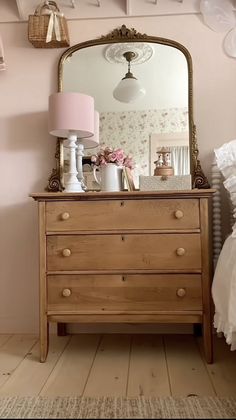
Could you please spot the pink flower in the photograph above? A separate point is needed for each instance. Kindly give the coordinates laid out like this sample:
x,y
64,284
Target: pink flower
x,y
112,157
94,159
129,162
116,156
102,160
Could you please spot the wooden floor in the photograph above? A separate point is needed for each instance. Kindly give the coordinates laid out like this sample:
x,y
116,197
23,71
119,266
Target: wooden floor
x,y
115,365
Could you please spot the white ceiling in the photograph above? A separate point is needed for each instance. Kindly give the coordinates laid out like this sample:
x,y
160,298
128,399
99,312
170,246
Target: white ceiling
x,y
164,76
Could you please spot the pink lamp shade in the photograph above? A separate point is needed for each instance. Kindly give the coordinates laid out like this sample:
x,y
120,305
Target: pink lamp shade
x,y
71,112
91,142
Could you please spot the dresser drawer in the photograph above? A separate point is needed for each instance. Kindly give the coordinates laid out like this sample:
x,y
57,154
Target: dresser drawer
x,y
124,252
149,292
122,214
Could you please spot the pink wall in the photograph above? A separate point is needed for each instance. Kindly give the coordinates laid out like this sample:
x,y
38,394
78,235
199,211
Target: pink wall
x,y
27,150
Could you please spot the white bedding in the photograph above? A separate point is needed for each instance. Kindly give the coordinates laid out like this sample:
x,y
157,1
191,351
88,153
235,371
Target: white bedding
x,y
224,292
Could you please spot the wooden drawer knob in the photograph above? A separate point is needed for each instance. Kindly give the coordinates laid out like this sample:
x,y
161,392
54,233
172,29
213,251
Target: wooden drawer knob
x,y
180,251
66,252
65,216
66,292
179,214
181,292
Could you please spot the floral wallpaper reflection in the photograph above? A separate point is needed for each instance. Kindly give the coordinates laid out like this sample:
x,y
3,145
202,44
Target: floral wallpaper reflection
x,y
131,131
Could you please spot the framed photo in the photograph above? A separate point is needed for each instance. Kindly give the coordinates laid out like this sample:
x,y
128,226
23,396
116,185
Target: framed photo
x,y
128,178
89,180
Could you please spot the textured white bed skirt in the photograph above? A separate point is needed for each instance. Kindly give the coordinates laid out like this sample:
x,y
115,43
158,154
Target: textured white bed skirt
x,y
224,292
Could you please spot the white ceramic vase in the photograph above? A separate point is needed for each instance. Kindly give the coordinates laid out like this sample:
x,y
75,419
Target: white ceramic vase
x,y
109,177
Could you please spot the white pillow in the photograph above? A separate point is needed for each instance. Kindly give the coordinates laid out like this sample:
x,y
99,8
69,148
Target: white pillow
x,y
230,184
226,158
226,162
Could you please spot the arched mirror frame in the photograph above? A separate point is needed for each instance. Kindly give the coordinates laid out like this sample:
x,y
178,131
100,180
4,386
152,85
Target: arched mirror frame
x,y
124,34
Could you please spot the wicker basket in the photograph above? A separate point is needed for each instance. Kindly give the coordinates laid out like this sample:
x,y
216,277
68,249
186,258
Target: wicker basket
x,y
47,28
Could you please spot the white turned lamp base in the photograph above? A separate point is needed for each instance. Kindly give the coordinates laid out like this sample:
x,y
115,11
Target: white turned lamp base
x,y
79,157
72,184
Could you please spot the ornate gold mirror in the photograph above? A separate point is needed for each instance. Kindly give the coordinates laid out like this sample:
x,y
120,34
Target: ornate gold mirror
x,y
162,117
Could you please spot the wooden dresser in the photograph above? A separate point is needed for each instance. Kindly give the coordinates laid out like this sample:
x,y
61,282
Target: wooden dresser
x,y
125,257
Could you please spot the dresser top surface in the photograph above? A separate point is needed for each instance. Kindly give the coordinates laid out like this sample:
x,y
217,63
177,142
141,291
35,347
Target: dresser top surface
x,y
98,195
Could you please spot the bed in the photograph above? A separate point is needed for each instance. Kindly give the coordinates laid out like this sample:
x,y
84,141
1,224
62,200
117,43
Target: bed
x,y
224,280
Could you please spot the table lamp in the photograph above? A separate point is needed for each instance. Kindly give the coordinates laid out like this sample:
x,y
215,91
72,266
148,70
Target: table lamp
x,y
87,143
71,116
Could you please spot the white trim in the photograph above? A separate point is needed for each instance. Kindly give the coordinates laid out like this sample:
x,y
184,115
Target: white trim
x,y
20,9
112,9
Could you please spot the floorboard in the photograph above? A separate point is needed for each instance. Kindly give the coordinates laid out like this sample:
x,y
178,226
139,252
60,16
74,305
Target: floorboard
x,y
187,371
109,373
72,370
116,365
148,375
223,371
30,375
12,351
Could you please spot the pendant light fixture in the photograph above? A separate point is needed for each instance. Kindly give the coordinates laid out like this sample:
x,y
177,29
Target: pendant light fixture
x,y
129,88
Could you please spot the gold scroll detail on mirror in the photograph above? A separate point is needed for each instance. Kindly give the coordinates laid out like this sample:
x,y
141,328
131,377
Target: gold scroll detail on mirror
x,y
54,181
199,179
124,34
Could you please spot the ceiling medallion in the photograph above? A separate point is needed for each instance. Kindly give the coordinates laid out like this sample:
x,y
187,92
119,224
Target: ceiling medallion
x,y
114,53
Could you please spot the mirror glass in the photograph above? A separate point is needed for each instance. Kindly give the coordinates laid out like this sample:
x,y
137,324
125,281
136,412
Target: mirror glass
x,y
156,126
160,118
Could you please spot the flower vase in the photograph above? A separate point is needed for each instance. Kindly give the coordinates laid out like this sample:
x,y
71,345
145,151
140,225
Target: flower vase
x,y
109,177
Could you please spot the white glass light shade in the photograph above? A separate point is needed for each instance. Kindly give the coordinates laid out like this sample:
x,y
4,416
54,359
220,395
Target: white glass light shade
x,y
218,14
230,43
71,112
128,90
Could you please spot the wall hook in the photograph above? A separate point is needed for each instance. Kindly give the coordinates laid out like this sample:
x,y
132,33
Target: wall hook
x,y
73,3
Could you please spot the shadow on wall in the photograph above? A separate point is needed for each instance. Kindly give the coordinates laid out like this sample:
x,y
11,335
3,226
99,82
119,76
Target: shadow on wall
x,y
21,127
27,158
29,149
19,268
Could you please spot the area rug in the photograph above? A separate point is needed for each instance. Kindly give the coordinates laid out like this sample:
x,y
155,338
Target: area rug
x,y
117,408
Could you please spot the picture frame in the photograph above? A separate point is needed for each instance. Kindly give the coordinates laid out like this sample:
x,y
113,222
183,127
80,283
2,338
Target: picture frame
x,y
128,178
89,179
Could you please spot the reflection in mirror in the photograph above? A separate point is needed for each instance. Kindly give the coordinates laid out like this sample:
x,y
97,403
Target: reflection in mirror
x,y
157,104
162,71
177,146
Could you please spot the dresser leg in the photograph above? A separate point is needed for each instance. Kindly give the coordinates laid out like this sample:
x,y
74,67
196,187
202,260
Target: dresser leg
x,y
44,340
207,339
197,330
61,329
